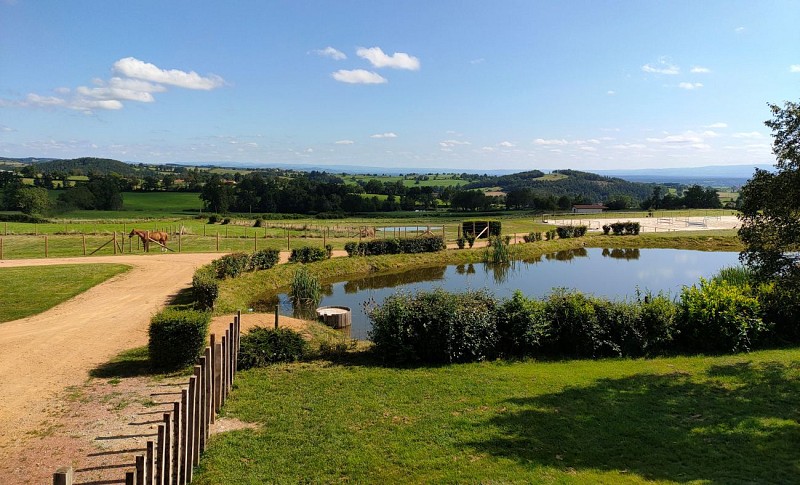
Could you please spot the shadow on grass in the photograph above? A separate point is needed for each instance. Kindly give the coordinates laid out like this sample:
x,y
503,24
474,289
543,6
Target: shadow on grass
x,y
183,298
738,424
130,363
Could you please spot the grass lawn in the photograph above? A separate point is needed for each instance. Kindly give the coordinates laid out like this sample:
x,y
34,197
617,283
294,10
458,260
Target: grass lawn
x,y
731,419
33,289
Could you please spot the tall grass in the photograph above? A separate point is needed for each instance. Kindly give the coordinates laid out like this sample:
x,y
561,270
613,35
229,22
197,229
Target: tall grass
x,y
305,288
738,276
499,251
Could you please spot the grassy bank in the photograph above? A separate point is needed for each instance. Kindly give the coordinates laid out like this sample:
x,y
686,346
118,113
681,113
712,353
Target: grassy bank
x,y
34,289
721,420
241,292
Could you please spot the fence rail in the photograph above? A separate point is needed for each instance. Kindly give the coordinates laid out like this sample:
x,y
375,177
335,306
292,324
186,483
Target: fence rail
x,y
183,433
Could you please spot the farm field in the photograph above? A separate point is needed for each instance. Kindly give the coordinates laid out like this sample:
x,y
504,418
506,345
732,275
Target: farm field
x,y
666,420
22,287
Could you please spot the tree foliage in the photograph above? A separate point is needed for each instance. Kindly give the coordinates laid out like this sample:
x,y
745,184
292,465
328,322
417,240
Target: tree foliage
x,y
770,211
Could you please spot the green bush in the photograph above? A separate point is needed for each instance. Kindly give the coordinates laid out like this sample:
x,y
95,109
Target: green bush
x,y
434,327
307,254
470,237
718,317
263,259
263,346
657,322
550,235
177,337
532,237
213,218
231,265
377,247
565,232
624,228
461,242
258,223
606,229
522,324
574,327
205,287
352,248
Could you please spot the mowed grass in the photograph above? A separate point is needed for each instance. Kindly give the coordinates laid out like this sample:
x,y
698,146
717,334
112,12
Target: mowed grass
x,y
731,419
33,289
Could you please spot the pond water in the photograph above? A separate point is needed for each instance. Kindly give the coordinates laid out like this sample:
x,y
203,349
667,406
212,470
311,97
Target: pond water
x,y
610,273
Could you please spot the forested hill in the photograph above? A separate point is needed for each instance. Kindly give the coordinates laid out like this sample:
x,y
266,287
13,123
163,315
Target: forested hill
x,y
590,186
83,166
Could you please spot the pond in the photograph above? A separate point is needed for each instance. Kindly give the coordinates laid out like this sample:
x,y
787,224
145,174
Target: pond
x,y
610,273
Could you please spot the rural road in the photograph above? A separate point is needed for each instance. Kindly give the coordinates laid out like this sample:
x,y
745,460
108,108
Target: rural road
x,y
43,354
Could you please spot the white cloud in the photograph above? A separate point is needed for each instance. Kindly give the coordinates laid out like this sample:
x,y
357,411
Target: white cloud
x,y
452,143
36,100
794,68
717,125
398,60
690,86
358,76
588,149
663,66
700,70
344,142
540,141
134,68
6,129
629,146
122,89
506,144
611,93
330,52
384,135
749,135
488,149
739,30
688,138
477,61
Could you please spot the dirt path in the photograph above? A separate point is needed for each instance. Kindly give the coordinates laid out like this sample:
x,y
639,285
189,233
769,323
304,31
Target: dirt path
x,y
42,355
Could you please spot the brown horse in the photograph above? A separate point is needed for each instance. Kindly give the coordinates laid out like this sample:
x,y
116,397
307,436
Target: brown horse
x,y
159,237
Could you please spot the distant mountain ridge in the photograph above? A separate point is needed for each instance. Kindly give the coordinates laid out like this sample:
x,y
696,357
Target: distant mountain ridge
x,y
710,175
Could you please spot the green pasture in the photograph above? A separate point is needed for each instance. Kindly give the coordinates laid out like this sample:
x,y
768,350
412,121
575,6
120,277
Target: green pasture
x,y
731,419
438,180
33,289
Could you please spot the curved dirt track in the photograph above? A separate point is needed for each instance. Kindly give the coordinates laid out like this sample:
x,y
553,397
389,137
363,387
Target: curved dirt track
x,y
43,354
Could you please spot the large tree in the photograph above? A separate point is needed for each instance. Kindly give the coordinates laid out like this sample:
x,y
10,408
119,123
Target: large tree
x,y
770,211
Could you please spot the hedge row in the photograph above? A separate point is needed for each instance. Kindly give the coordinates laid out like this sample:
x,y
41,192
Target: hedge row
x,y
375,247
442,327
622,228
565,232
205,281
177,337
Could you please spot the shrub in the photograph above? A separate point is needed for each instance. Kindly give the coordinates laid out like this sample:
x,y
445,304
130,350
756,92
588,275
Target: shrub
x,y
461,242
532,237
574,327
579,231
434,327
263,346
205,287
498,251
522,324
718,317
351,248
624,228
227,220
606,229
258,223
177,337
213,219
264,259
424,244
565,232
231,265
307,254
470,237
550,235
657,320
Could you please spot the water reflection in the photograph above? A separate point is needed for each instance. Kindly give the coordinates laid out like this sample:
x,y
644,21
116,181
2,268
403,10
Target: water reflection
x,y
612,273
617,253
395,279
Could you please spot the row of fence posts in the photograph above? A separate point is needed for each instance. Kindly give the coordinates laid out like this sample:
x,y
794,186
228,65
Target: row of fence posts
x,y
184,432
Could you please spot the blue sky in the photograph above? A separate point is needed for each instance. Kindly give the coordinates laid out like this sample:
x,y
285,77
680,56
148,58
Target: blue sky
x,y
442,85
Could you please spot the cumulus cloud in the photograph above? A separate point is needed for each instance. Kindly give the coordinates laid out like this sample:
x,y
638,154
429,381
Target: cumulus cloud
x,y
690,86
688,138
611,93
398,60
794,68
718,125
344,142
663,66
136,81
749,135
134,68
452,143
552,142
358,76
506,144
700,70
384,135
330,52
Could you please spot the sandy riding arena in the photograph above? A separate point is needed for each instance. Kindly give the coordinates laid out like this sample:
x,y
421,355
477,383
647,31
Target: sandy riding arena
x,y
45,359
657,224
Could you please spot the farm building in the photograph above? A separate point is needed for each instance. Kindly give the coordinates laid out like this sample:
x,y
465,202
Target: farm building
x,y
588,208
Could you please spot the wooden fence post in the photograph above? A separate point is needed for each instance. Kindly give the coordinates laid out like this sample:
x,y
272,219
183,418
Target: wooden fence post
x,y
217,241
196,426
45,246
63,476
223,370
166,474
177,438
130,478
149,464
179,242
160,452
185,444
217,376
203,407
139,469
188,462
1,248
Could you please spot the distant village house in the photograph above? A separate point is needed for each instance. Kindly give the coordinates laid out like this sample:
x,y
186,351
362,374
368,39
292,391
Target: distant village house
x,y
588,208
